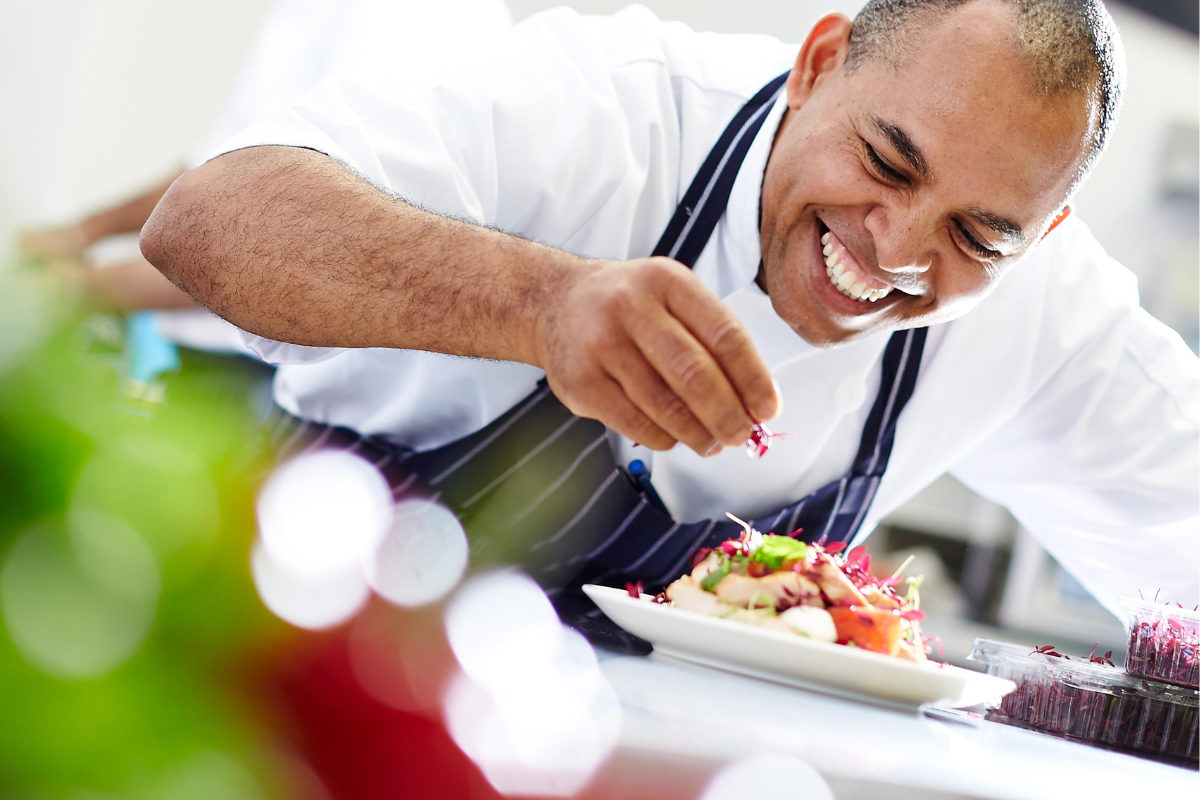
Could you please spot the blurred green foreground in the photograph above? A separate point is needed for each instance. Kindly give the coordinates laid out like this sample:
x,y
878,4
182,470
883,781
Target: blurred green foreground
x,y
127,614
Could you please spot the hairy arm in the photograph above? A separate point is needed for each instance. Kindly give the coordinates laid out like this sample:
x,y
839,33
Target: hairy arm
x,y
288,244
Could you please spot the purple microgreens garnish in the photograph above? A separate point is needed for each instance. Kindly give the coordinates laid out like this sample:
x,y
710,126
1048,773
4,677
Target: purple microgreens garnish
x,y
1104,659
635,590
925,640
858,557
1048,650
760,440
1164,646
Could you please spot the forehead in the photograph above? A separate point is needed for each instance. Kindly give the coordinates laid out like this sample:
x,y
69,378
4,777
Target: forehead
x,y
969,100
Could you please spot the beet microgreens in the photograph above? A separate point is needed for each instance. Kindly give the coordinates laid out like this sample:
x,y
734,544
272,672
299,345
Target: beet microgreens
x,y
1049,650
1104,659
760,440
1164,644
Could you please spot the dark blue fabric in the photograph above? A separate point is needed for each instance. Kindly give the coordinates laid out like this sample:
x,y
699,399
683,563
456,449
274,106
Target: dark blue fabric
x,y
704,202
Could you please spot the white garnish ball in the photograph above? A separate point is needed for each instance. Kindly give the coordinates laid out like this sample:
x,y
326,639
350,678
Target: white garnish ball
x,y
815,623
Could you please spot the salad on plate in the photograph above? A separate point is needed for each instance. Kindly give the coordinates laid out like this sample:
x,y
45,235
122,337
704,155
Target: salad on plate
x,y
812,590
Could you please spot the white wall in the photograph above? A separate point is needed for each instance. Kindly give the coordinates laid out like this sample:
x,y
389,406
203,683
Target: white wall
x,y
102,97
1121,200
788,20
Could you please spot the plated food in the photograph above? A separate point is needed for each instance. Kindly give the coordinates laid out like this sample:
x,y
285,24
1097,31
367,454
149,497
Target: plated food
x,y
809,590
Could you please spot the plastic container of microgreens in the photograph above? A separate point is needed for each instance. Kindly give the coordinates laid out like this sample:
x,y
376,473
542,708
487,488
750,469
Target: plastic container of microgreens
x,y
1092,702
1164,642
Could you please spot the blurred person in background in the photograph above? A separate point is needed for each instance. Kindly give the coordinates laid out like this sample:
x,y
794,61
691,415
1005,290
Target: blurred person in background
x,y
869,201
299,43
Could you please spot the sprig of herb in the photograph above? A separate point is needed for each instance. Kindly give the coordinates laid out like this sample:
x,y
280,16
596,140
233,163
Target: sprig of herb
x,y
774,550
710,581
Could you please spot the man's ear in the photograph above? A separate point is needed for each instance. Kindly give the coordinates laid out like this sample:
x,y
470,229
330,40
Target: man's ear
x,y
823,51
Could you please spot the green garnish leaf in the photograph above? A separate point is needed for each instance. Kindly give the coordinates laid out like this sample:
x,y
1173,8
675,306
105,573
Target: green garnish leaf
x,y
710,581
774,550
768,602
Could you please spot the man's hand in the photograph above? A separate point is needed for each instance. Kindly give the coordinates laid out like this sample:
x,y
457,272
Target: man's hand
x,y
646,348
68,241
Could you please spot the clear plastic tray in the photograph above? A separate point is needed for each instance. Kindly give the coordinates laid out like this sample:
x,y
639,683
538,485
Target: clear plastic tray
x,y
1164,642
1092,703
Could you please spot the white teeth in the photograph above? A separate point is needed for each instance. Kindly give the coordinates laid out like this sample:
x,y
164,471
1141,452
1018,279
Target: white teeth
x,y
846,282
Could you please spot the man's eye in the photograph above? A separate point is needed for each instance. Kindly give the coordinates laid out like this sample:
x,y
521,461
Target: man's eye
x,y
882,167
975,245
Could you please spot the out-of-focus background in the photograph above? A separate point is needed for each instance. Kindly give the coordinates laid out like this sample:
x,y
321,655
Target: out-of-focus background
x,y
133,642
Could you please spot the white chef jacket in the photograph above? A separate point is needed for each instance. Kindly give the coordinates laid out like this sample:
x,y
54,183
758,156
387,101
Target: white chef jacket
x,y
1057,396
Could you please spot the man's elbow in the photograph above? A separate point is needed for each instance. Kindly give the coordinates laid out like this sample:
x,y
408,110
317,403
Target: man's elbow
x,y
167,232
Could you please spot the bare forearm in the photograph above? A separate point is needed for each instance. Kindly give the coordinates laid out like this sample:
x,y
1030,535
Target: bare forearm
x,y
287,244
134,286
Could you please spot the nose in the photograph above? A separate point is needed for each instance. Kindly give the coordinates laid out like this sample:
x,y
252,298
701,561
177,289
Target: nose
x,y
901,241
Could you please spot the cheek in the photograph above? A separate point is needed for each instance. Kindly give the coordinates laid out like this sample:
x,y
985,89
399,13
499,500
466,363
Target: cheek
x,y
962,286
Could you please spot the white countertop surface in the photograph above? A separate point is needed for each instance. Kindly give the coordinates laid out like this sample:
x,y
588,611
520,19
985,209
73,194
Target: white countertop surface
x,y
675,708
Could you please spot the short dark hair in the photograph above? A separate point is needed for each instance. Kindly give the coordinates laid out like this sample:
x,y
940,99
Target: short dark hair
x,y
1073,46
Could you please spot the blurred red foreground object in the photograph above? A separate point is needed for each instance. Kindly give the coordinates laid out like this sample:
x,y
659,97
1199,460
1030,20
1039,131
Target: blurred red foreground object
x,y
364,749
360,748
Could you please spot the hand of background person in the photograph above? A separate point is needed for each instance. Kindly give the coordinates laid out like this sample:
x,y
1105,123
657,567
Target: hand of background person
x,y
645,347
65,241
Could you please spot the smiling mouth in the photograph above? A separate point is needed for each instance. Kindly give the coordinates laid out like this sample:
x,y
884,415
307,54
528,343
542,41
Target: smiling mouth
x,y
846,274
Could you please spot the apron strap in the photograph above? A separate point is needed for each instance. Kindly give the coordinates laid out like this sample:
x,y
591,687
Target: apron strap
x,y
704,202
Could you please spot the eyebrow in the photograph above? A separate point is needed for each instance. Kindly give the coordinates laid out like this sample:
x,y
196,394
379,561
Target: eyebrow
x,y
912,155
1003,226
904,145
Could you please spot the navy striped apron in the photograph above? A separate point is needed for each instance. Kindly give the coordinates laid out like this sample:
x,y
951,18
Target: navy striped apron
x,y
540,488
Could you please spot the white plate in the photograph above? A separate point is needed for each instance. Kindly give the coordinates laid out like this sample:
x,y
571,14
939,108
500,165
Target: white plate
x,y
796,660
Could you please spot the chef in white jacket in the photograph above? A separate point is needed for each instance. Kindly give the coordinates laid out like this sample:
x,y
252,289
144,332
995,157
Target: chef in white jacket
x,y
900,159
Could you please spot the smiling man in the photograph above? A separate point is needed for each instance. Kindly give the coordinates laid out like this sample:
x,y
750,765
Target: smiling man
x,y
931,160
865,228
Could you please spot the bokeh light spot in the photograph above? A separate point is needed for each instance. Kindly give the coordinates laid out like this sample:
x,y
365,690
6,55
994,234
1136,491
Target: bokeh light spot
x,y
78,595
422,557
321,512
161,489
531,708
308,601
